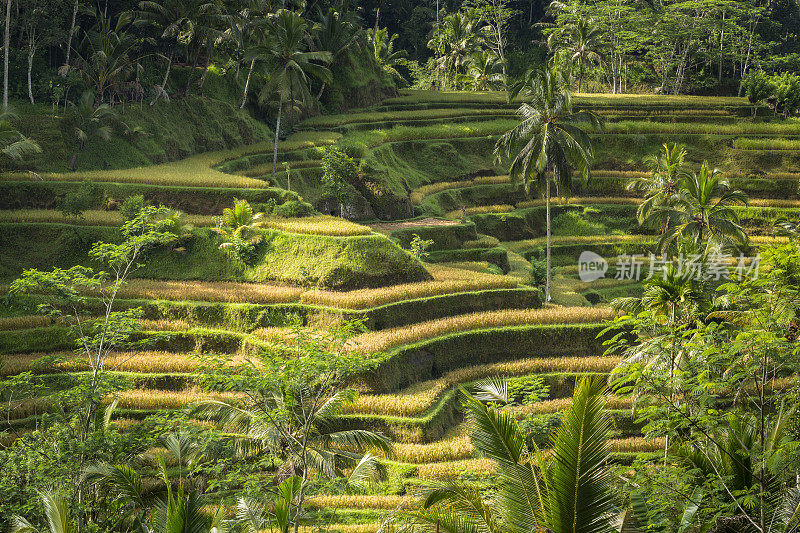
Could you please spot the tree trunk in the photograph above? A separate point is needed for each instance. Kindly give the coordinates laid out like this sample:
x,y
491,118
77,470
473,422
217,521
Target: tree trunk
x,y
247,83
747,59
547,296
6,45
580,76
721,48
319,94
166,74
31,53
71,32
377,19
277,133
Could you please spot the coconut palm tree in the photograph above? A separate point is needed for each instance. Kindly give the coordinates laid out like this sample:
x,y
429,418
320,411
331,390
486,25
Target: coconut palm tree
x,y
86,121
485,71
290,65
13,144
566,491
107,54
703,211
385,54
335,32
550,141
453,41
661,187
238,225
165,17
583,39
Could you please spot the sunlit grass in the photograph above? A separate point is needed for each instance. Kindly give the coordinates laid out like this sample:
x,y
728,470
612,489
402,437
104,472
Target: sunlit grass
x,y
195,171
421,396
446,281
419,194
379,341
475,210
134,361
318,225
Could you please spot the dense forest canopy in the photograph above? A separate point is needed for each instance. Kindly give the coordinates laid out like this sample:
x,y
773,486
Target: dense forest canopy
x,y
698,46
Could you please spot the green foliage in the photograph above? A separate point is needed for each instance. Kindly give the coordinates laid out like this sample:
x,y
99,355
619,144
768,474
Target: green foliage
x,y
87,121
77,201
339,172
787,93
132,206
419,247
294,209
757,86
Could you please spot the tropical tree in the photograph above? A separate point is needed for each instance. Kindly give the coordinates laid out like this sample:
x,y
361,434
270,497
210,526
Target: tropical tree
x,y
166,18
13,144
290,65
385,54
703,211
453,41
292,398
549,142
757,86
335,32
485,71
583,40
106,55
564,491
238,227
661,187
56,511
86,121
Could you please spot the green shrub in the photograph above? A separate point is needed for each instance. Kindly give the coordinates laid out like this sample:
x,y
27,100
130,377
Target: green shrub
x,y
538,272
131,207
419,247
78,200
527,389
293,209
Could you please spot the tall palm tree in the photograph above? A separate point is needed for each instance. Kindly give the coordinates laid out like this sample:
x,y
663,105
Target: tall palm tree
x,y
290,64
107,53
165,17
335,32
661,187
567,491
583,40
704,211
387,57
453,41
550,141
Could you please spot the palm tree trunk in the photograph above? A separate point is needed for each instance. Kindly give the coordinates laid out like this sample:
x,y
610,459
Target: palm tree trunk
x,y
547,296
580,76
277,132
31,53
247,83
71,31
6,45
319,94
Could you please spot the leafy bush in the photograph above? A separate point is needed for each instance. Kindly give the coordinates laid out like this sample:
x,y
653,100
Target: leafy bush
x,y
538,272
419,247
77,201
527,390
131,207
294,209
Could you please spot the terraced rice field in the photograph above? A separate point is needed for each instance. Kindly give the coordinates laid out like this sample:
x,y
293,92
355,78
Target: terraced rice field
x,y
473,295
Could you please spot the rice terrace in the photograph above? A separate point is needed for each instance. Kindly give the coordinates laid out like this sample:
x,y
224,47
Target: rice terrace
x,y
367,266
